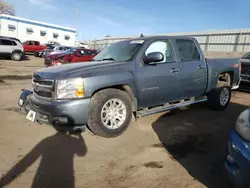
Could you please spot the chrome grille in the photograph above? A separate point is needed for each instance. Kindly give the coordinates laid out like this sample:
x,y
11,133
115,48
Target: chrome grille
x,y
43,87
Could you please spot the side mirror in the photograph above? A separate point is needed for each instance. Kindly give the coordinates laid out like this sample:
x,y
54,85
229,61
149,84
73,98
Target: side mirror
x,y
153,57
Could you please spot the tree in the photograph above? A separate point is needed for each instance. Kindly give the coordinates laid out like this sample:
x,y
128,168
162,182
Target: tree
x,y
6,8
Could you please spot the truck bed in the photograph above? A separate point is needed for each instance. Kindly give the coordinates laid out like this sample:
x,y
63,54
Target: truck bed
x,y
223,65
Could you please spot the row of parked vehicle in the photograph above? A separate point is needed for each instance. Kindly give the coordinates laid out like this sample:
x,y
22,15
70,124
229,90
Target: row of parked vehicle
x,y
58,55
53,52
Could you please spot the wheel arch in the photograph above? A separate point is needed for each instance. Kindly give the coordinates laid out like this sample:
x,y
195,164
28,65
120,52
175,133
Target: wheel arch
x,y
123,87
17,50
226,77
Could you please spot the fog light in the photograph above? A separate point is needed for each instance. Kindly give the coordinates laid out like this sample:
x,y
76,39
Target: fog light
x,y
230,159
20,102
60,120
234,147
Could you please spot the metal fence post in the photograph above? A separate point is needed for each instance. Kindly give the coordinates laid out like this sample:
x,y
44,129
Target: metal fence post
x,y
236,43
206,43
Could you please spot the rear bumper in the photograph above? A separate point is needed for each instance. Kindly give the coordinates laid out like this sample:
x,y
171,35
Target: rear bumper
x,y
237,162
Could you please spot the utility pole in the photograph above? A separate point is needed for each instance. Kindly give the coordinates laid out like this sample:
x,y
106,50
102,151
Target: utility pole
x,y
76,19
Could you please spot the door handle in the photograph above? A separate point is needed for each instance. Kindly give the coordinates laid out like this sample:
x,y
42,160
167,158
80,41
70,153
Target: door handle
x,y
201,67
174,70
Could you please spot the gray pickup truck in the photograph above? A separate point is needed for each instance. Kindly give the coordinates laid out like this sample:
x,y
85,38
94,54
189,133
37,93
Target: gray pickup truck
x,y
136,77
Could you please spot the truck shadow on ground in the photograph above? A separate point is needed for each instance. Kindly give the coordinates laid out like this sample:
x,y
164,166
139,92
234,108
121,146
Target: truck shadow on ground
x,y
56,166
197,139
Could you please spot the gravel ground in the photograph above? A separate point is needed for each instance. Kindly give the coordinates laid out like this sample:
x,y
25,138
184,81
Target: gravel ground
x,y
181,148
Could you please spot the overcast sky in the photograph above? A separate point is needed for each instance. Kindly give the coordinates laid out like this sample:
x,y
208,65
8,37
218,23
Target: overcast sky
x,y
94,19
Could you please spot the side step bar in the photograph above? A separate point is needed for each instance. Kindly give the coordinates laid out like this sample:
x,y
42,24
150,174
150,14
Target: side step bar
x,y
182,103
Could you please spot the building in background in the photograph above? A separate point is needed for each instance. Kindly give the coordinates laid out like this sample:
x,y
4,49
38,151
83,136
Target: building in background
x,y
25,29
83,44
236,40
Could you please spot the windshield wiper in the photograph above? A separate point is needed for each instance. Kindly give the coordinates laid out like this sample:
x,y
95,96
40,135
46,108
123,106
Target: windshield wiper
x,y
104,59
108,58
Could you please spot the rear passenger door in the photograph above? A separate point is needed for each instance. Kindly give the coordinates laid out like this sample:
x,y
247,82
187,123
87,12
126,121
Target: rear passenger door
x,y
80,56
193,68
90,54
5,47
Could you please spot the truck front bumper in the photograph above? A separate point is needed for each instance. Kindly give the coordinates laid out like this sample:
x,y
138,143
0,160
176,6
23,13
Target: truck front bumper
x,y
245,78
64,115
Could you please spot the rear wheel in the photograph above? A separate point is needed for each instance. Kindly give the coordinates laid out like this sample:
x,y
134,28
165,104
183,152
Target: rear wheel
x,y
16,56
219,98
110,112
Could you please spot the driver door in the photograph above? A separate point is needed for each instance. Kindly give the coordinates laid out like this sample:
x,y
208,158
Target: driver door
x,y
158,83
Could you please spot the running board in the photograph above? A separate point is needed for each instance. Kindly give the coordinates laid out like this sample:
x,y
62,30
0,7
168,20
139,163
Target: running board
x,y
168,106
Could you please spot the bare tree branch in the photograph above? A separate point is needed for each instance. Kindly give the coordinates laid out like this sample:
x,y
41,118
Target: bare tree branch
x,y
6,8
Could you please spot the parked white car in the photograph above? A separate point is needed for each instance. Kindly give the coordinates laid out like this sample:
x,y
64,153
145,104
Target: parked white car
x,y
11,47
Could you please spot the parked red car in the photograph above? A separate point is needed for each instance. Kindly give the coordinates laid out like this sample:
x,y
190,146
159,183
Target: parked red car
x,y
33,46
70,56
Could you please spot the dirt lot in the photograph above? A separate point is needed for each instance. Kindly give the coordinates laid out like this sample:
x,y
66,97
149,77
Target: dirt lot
x,y
182,148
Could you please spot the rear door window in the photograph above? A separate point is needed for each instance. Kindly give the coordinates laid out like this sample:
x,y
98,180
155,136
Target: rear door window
x,y
6,42
187,50
36,43
29,43
81,52
90,52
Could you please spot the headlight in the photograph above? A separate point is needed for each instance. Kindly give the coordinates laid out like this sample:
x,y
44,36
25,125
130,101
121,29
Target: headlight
x,y
70,88
243,126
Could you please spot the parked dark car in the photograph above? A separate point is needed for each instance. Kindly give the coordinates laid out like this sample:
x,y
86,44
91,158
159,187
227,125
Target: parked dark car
x,y
238,159
133,77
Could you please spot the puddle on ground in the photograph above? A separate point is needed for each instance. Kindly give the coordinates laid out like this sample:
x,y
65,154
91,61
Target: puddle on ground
x,y
181,147
154,164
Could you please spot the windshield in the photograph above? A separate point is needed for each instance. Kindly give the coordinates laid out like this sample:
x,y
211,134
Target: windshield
x,y
120,51
246,56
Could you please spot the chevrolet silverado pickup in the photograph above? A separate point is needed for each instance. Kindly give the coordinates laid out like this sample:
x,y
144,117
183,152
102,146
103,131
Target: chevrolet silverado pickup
x,y
136,77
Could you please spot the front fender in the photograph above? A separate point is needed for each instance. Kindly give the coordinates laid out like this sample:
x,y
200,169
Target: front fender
x,y
98,82
25,93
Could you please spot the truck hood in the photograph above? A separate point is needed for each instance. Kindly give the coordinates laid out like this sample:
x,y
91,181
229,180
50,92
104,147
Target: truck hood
x,y
74,69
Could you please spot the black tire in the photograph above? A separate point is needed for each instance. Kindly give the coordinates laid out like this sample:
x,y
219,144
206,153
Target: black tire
x,y
95,123
16,56
214,98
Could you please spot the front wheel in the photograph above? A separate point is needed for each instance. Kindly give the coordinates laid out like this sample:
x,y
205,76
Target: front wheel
x,y
110,112
16,56
219,98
